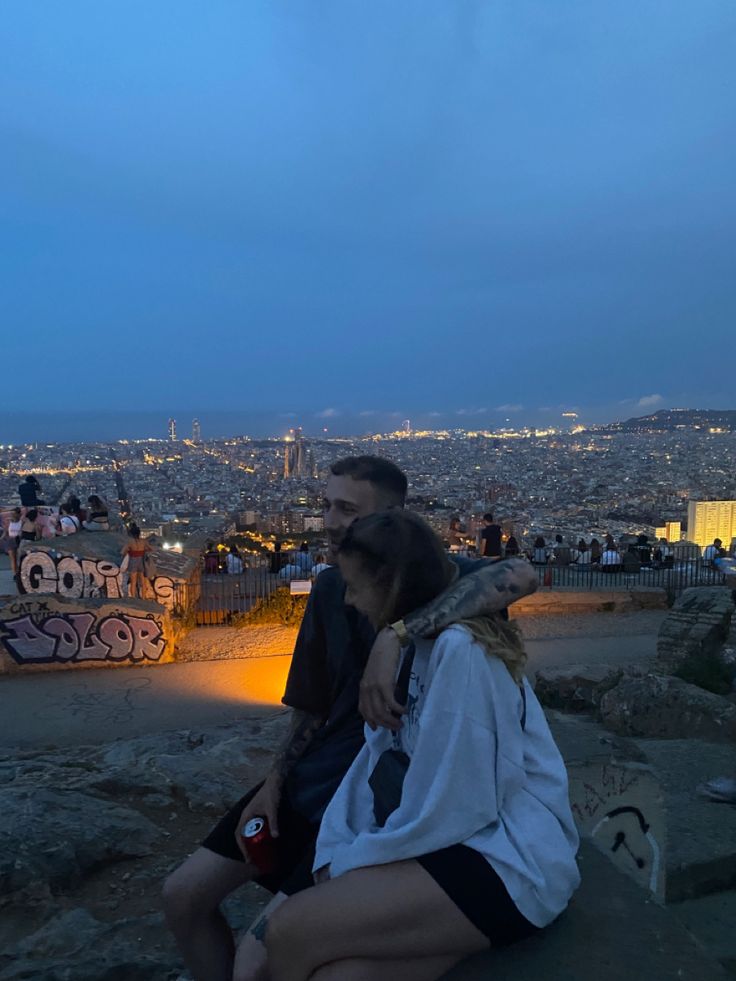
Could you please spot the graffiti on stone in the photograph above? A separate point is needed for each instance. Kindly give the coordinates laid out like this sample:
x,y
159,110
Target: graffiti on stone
x,y
619,807
75,637
44,572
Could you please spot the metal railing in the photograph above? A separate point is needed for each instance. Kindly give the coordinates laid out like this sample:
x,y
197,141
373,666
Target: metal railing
x,y
224,595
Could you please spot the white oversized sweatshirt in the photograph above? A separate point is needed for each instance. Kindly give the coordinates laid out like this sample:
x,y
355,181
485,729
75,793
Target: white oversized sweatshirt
x,y
475,778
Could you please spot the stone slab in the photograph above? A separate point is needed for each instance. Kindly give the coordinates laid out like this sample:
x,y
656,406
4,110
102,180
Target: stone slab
x,y
701,834
613,929
52,633
711,920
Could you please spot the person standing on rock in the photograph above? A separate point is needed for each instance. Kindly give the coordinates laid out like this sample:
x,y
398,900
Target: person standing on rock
x,y
340,669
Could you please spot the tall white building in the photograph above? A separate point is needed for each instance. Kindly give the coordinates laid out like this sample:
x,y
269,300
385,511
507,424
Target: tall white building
x,y
172,429
196,431
707,520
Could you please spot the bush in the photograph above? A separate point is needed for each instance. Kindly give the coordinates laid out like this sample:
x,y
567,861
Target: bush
x,y
279,608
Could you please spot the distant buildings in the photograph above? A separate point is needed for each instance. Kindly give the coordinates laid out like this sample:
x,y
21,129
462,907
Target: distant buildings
x,y
707,520
196,431
671,530
172,430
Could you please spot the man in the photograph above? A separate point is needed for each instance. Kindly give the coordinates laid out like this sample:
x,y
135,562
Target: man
x,y
561,552
490,538
28,492
324,688
711,552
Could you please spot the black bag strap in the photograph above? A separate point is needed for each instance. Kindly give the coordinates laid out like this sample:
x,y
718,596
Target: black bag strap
x,y
523,711
401,691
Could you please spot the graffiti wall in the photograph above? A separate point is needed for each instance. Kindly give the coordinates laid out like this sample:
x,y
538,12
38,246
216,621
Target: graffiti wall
x,y
44,571
619,807
52,630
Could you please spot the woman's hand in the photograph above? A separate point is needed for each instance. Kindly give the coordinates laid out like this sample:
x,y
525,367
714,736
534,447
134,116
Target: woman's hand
x,y
377,704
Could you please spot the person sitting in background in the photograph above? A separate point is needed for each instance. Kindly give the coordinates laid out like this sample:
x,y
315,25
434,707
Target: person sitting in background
x,y
631,563
512,547
73,506
319,565
453,834
234,562
303,559
135,548
211,560
595,551
644,549
29,491
98,518
69,523
539,551
610,559
714,551
584,556
561,554
30,528
290,570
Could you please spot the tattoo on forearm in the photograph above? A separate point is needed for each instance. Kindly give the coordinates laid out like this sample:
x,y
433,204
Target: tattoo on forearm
x,y
259,930
494,586
301,732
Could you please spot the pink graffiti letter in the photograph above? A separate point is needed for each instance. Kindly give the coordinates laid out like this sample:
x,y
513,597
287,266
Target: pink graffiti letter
x,y
147,639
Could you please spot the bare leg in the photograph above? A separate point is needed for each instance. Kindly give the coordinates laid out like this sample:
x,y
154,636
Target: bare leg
x,y
417,969
192,897
387,912
251,955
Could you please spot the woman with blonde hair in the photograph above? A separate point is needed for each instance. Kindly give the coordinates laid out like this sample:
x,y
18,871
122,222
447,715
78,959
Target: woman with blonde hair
x,y
453,834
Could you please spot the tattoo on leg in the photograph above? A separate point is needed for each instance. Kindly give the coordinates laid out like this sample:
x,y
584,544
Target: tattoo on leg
x,y
259,930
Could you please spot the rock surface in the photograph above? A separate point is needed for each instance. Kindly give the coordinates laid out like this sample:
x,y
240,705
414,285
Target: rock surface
x,y
577,687
667,708
697,625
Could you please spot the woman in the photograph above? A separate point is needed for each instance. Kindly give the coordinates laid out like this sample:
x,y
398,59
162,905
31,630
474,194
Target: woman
x,y
11,538
30,527
69,523
98,518
480,850
234,561
136,548
512,547
539,554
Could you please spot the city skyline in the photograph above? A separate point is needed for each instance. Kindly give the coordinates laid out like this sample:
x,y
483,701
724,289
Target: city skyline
x,y
450,209
112,426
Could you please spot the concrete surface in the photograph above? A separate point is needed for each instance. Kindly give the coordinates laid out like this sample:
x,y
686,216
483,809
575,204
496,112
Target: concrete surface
x,y
96,705
711,919
612,931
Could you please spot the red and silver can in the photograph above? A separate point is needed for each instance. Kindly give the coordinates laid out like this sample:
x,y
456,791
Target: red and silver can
x,y
261,847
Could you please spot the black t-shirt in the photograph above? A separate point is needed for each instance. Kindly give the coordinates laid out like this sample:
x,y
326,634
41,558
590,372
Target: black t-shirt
x,y
329,659
491,538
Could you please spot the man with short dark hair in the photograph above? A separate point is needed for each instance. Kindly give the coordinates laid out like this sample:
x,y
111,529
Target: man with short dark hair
x,y
29,491
490,538
324,689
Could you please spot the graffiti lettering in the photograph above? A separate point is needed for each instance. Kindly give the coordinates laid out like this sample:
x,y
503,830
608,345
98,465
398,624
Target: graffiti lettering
x,y
41,572
75,637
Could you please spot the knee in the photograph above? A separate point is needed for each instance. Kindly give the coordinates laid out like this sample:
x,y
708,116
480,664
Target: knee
x,y
285,940
180,896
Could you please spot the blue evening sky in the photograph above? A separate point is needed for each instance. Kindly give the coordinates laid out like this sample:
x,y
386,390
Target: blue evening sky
x,y
448,210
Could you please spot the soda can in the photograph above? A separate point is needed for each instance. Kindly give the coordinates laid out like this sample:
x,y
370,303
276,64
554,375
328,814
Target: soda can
x,y
261,847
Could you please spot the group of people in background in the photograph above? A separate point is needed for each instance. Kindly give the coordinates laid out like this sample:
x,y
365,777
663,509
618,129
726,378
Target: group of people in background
x,y
34,520
285,565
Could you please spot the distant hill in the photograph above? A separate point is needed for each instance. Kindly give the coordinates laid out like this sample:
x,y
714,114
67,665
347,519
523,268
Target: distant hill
x,y
667,420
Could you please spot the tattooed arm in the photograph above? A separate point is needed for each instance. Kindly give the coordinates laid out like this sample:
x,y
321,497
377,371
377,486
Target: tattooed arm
x,y
266,802
490,588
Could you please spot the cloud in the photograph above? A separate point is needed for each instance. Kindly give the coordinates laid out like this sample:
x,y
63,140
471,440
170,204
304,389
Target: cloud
x,y
327,414
471,412
368,412
287,415
648,401
509,407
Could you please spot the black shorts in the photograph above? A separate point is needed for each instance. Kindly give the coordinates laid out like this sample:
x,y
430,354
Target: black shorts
x,y
478,891
296,840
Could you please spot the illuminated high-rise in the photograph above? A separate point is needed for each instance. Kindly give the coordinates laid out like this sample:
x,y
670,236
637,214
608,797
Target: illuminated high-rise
x,y
707,520
172,429
196,431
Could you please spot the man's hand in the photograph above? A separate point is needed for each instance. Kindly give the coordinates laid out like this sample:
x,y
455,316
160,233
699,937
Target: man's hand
x,y
264,804
377,704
